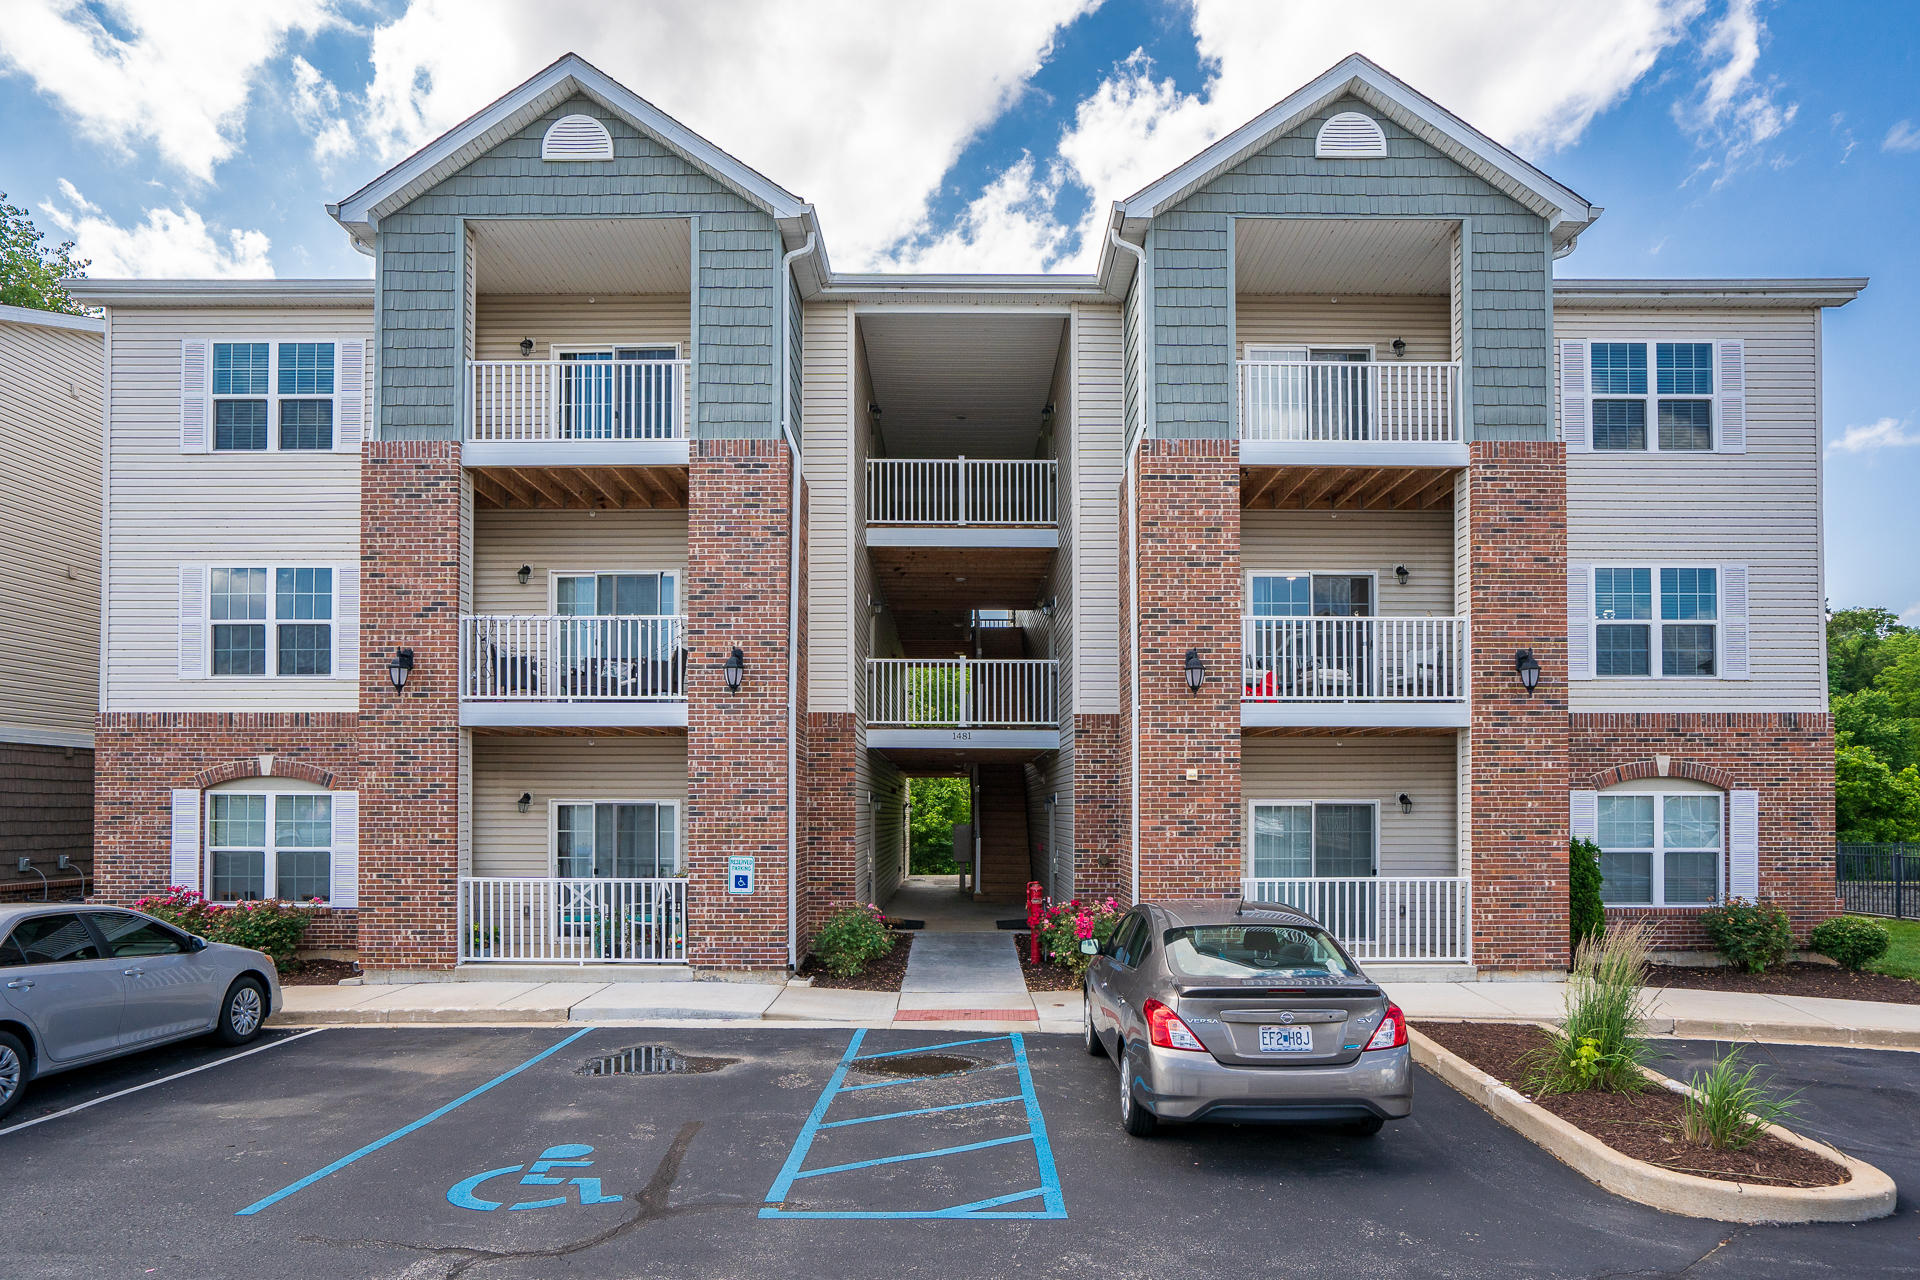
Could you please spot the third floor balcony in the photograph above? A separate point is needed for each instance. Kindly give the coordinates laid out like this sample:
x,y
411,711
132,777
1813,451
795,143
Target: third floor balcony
x,y
603,409
962,502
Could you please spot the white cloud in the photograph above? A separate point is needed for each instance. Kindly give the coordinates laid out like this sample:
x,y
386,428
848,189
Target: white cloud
x,y
1885,433
174,243
1734,114
1911,614
1902,137
145,71
316,108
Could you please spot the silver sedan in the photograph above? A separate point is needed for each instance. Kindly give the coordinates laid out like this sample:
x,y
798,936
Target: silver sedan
x,y
1222,1010
79,984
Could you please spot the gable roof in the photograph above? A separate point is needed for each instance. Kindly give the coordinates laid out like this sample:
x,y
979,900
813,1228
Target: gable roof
x,y
566,78
1566,212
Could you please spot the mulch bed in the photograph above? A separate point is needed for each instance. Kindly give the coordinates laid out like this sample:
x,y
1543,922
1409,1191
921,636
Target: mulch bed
x,y
884,974
319,973
1829,982
1043,976
1645,1125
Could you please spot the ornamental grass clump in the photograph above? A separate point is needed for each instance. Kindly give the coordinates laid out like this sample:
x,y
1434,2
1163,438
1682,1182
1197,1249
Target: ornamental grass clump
x,y
1727,1109
1599,1044
851,939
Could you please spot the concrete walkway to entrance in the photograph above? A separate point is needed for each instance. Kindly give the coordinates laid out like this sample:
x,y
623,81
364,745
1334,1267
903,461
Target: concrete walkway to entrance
x,y
976,963
938,901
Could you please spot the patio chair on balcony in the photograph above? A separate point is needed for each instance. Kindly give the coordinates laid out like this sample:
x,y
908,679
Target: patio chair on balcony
x,y
513,673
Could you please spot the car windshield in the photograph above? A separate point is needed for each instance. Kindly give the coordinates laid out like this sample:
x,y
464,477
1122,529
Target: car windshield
x,y
1255,951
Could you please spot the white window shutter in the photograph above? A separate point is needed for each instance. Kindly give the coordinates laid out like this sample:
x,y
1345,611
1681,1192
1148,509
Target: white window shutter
x,y
183,867
1743,844
1576,417
344,891
1579,621
1731,356
1735,640
349,395
346,621
193,621
196,359
1584,812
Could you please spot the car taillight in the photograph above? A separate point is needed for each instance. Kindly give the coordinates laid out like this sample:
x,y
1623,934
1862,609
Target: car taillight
x,y
1392,1031
1168,1032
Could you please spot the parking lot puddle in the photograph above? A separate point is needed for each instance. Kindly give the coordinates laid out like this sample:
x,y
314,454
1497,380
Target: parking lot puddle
x,y
919,1064
652,1060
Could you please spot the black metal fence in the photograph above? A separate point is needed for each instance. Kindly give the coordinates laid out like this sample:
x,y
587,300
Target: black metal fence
x,y
1879,879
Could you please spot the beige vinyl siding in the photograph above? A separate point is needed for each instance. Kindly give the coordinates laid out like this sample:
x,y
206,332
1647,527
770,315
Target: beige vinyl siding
x,y
879,837
50,531
1425,321
826,395
553,542
1377,770
1760,508
170,508
1360,542
1098,444
574,320
507,842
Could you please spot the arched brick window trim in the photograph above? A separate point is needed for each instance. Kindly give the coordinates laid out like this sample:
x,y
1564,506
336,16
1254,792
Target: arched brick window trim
x,y
1691,770
249,767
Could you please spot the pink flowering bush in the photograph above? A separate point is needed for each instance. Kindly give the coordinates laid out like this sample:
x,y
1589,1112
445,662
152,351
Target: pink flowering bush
x,y
1065,925
271,926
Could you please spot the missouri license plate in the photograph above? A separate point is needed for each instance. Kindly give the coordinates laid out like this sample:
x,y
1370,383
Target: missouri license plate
x,y
1286,1040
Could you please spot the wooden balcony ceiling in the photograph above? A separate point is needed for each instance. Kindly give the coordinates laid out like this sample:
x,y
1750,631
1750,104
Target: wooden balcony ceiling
x,y
926,579
1365,731
574,488
1346,488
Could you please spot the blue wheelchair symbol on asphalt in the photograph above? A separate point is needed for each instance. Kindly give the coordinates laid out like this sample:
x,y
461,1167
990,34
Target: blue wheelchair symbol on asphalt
x,y
566,1155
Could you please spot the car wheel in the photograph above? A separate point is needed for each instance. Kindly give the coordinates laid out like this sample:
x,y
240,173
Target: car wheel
x,y
1368,1127
13,1071
242,1012
1134,1116
1089,1038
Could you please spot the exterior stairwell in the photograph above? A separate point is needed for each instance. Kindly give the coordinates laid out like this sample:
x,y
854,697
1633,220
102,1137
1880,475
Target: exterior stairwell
x,y
1002,818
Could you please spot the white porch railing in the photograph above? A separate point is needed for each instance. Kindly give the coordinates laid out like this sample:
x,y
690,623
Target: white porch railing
x,y
1353,659
1387,918
1315,401
599,658
560,920
962,693
543,401
959,491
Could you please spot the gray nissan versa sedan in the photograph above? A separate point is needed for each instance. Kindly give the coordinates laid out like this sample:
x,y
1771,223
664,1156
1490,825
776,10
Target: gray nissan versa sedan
x,y
1223,1010
79,984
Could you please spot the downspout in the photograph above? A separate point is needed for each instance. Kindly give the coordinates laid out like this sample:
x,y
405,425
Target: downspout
x,y
793,600
1133,556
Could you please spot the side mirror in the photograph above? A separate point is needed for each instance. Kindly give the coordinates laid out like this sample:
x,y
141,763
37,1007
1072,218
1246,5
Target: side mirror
x,y
196,943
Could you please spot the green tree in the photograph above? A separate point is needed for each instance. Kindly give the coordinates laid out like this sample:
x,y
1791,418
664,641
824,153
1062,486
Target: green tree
x,y
1870,719
1899,674
1873,803
1856,646
30,275
938,803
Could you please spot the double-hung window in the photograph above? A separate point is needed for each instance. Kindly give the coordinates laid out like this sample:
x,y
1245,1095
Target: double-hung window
x,y
272,396
269,846
1660,850
270,620
1652,396
1656,620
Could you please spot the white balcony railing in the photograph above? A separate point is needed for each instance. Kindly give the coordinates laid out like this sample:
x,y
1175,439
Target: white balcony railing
x,y
598,658
561,920
1386,918
1314,401
961,491
962,693
1353,659
547,401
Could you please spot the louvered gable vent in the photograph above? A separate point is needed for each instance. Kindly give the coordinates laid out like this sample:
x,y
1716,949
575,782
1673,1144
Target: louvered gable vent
x,y
1350,136
577,138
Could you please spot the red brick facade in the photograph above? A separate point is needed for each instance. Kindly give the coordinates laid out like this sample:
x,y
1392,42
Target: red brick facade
x,y
1100,798
829,819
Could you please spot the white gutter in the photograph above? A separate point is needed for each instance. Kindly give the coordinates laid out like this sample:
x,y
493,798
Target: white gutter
x,y
793,599
1133,553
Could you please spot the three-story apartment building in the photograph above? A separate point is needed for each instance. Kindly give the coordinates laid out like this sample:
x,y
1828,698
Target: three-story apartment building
x,y
586,586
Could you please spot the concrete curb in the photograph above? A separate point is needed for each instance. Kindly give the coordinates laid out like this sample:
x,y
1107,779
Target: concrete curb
x,y
1868,1194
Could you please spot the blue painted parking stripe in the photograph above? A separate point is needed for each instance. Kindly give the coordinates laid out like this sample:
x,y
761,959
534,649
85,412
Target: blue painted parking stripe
x,y
921,1111
927,1048
404,1130
804,1143
1042,1149
914,1155
945,1075
992,1202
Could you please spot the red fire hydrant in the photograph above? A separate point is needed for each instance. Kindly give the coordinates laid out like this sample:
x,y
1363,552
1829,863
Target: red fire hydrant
x,y
1034,898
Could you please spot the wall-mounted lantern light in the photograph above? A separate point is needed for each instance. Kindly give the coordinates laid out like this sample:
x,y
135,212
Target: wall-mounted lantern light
x,y
1406,803
1399,348
1196,671
1047,606
1528,668
525,802
1400,574
525,573
526,348
736,665
873,410
400,668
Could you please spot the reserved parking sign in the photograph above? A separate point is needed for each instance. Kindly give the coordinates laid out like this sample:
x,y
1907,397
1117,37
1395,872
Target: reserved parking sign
x,y
739,874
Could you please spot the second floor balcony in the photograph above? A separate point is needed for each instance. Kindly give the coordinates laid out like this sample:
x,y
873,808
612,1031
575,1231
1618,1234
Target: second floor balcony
x,y
624,410
962,502
1306,412
573,671
987,704
1353,672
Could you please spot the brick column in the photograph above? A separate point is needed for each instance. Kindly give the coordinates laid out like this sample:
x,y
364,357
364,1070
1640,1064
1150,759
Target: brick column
x,y
1100,795
736,594
830,805
411,500
1516,746
1189,743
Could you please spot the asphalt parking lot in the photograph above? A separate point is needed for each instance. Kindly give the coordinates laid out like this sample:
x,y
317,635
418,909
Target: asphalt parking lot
x,y
538,1152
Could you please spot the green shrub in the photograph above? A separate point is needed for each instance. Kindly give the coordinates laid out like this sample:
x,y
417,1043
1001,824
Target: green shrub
x,y
273,927
1585,913
1064,925
1851,942
1727,1110
850,940
1599,1044
1754,936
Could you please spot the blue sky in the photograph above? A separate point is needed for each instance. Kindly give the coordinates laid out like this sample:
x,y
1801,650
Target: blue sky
x,y
1724,137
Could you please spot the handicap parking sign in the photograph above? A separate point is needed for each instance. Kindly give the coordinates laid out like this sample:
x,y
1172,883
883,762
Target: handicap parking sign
x,y
568,1155
739,874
